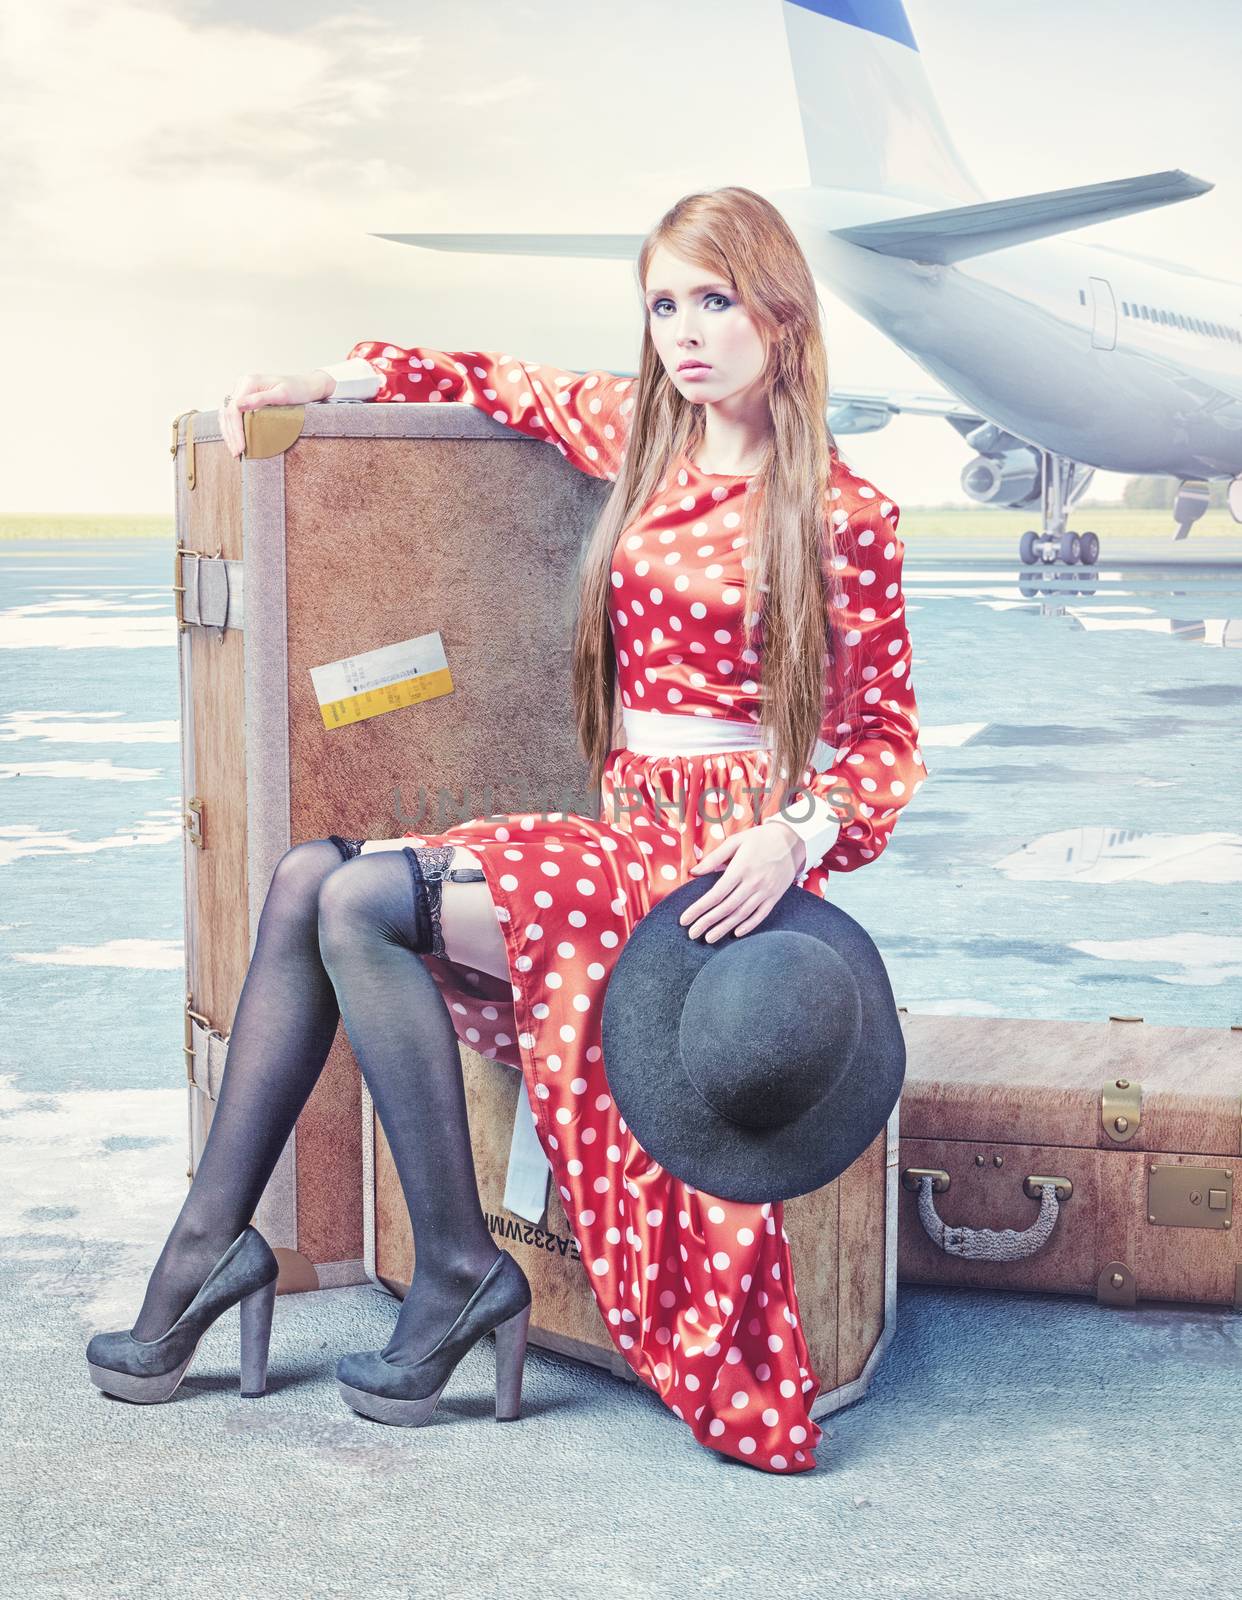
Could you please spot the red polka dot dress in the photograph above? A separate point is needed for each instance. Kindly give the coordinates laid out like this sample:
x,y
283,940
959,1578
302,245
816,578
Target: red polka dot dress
x,y
697,1292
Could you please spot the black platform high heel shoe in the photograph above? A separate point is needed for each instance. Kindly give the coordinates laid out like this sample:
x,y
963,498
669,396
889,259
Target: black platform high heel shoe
x,y
388,1391
150,1369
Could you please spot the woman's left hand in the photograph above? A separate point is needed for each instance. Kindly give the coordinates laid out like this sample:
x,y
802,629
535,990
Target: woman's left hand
x,y
762,863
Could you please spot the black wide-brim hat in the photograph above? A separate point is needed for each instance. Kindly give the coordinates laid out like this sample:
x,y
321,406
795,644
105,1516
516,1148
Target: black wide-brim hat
x,y
808,972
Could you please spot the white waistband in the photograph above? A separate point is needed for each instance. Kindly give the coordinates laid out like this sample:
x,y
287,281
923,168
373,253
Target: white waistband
x,y
658,733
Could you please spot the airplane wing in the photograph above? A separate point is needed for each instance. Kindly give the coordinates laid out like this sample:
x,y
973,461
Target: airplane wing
x,y
868,410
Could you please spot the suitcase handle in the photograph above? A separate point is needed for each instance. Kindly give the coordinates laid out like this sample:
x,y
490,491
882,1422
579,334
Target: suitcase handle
x,y
989,1244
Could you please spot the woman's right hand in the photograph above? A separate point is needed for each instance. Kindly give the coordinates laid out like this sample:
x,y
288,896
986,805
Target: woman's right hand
x,y
255,389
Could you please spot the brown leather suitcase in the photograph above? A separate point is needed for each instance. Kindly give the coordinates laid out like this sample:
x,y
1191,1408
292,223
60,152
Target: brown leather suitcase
x,y
1091,1158
345,529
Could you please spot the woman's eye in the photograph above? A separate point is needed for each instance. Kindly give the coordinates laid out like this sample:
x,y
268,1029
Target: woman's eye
x,y
658,303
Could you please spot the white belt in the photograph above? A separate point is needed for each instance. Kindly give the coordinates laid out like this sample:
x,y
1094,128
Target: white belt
x,y
658,733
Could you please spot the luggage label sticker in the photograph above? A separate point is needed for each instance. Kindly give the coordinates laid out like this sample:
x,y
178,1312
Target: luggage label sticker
x,y
395,675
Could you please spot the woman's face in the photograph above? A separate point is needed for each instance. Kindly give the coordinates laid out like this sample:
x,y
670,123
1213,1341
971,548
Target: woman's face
x,y
694,316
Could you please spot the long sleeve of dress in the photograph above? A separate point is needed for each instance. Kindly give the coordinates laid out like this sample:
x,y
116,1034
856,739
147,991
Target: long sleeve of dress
x,y
878,766
586,414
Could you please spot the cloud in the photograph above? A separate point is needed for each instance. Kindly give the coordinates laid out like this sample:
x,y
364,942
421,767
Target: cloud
x,y
135,139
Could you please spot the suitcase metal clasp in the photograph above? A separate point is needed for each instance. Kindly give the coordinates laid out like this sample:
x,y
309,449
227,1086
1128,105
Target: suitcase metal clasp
x,y
1183,1195
1121,1109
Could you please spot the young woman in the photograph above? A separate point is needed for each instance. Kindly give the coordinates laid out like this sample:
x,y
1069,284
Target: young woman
x,y
742,593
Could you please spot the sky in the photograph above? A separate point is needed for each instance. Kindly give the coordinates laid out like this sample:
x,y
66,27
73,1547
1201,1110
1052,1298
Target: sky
x,y
187,189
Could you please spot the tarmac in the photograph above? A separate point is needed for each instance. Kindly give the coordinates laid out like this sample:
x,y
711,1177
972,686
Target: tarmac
x,y
1010,1445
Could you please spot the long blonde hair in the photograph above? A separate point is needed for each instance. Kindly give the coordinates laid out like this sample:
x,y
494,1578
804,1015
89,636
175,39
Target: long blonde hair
x,y
740,236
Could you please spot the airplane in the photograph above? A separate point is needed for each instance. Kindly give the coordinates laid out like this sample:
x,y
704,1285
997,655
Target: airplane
x,y
1059,357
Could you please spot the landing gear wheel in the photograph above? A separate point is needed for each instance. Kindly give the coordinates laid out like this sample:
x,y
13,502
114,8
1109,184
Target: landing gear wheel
x,y
1088,549
1027,548
1069,548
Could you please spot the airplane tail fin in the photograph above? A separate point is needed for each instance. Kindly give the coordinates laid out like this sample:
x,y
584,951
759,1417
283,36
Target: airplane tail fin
x,y
870,120
965,231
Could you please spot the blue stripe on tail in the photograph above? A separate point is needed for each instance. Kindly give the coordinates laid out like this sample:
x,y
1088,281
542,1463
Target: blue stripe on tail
x,y
886,17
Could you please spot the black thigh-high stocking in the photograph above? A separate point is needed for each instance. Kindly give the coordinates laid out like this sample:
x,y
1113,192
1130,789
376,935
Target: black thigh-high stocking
x,y
282,1031
402,1035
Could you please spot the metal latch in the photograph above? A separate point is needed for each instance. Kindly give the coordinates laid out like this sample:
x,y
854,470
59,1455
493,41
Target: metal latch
x,y
1187,1196
192,820
1121,1109
208,589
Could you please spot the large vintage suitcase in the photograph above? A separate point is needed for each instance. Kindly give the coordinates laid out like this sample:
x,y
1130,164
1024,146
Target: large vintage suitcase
x,y
431,533
354,527
1091,1158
